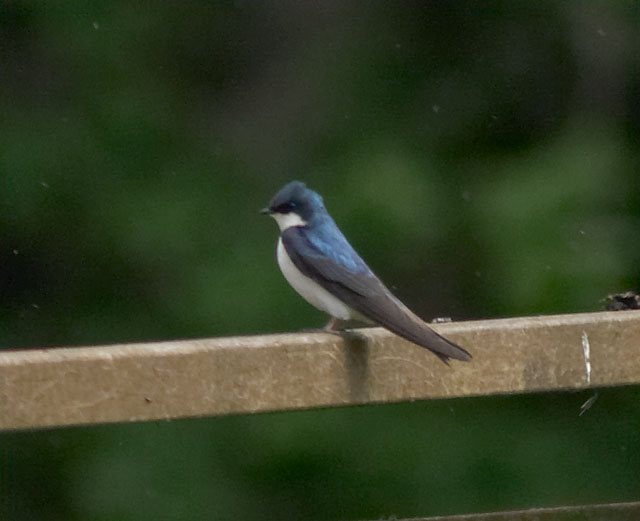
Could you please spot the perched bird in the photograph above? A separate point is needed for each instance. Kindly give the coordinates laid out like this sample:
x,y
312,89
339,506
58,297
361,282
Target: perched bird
x,y
318,261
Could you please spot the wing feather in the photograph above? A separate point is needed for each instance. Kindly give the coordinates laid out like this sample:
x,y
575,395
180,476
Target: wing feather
x,y
361,290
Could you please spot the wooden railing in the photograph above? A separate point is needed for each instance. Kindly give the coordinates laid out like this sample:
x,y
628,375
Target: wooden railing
x,y
54,387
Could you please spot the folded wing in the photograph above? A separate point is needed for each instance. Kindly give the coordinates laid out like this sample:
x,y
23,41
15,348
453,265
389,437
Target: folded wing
x,y
363,291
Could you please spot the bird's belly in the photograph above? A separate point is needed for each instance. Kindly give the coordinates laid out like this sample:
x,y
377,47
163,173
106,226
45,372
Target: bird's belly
x,y
310,290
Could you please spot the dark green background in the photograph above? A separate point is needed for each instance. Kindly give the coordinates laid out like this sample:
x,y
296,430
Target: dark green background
x,y
483,157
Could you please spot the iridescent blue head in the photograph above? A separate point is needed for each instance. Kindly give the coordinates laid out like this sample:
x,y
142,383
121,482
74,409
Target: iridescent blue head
x,y
295,205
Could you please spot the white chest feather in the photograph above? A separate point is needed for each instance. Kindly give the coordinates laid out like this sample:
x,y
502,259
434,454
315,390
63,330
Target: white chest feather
x,y
310,290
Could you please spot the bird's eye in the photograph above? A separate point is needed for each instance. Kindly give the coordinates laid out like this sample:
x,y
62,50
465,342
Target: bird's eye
x,y
286,207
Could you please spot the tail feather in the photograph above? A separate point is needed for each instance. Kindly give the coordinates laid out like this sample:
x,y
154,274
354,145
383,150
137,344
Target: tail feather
x,y
400,320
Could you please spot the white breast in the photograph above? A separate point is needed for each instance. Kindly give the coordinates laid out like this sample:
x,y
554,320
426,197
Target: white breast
x,y
310,290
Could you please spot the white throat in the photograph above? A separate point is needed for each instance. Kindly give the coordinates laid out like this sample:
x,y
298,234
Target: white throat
x,y
287,220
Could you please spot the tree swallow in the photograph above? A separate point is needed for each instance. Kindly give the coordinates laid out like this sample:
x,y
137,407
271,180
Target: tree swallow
x,y
318,261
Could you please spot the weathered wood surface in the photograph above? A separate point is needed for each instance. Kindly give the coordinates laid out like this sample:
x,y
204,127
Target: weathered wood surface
x,y
188,378
609,512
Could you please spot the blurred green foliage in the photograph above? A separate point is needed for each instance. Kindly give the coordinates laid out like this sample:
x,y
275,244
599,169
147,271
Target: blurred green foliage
x,y
482,157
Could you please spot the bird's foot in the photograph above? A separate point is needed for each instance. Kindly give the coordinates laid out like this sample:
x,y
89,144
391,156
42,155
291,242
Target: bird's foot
x,y
332,325
331,328
320,330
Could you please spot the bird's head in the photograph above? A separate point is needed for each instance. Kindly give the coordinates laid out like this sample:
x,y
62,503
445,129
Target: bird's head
x,y
294,205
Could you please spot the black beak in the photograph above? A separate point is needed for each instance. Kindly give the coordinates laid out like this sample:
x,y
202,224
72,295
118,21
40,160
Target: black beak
x,y
266,211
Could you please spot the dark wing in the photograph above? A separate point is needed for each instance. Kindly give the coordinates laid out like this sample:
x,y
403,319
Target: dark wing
x,y
363,291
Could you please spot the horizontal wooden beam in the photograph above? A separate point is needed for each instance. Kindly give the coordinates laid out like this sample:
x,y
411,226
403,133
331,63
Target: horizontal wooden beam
x,y
608,512
189,378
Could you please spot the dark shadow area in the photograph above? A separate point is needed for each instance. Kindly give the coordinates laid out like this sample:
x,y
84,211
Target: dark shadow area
x,y
357,359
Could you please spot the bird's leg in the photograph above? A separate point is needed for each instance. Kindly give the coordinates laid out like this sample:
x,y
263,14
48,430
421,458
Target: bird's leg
x,y
331,328
332,325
